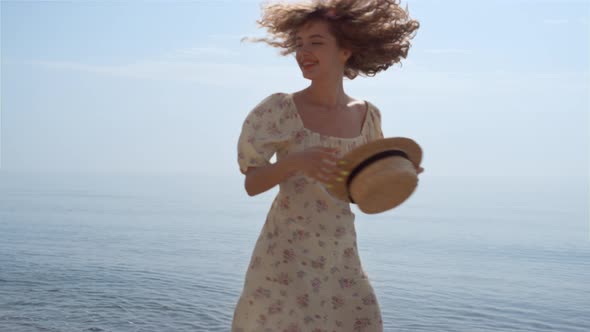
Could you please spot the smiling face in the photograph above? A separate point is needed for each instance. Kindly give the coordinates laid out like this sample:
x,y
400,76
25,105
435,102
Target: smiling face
x,y
317,51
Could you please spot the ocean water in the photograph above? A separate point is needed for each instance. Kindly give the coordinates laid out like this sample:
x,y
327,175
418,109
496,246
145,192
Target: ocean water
x,y
89,252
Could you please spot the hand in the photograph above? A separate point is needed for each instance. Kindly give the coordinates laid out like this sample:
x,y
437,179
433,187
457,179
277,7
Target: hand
x,y
419,170
318,163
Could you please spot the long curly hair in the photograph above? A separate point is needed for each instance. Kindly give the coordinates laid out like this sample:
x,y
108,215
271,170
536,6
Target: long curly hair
x,y
378,32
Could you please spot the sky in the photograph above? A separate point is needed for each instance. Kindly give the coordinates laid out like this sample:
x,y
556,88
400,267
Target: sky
x,y
489,88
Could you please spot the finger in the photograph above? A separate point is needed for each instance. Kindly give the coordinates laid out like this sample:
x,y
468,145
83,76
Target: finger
x,y
324,149
330,158
331,173
330,170
330,151
342,163
329,164
321,177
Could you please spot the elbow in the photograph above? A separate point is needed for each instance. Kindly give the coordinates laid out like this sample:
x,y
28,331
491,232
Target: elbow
x,y
249,190
249,182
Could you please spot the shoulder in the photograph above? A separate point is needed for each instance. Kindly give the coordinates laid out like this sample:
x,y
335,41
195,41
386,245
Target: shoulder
x,y
274,100
374,119
273,108
373,110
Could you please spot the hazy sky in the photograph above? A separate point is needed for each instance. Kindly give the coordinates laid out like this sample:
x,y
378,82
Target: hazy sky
x,y
489,87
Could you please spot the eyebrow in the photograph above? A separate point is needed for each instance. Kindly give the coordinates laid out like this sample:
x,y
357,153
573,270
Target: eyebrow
x,y
312,36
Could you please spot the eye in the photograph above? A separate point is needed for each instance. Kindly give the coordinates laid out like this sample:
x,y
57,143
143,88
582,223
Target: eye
x,y
317,43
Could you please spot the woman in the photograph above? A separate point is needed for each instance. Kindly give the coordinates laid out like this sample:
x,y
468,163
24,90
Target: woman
x,y
305,273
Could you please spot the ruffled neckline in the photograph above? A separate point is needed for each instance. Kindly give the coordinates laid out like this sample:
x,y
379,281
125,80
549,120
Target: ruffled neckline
x,y
313,132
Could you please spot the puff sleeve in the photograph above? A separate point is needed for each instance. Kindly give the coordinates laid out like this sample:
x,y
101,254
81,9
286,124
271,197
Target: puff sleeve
x,y
375,131
261,136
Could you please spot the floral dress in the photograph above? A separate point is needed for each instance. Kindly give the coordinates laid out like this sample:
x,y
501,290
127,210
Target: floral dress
x,y
305,273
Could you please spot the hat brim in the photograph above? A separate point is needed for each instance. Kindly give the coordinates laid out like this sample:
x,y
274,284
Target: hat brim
x,y
352,159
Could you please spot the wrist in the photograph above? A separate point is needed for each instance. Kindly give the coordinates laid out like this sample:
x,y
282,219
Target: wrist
x,y
289,164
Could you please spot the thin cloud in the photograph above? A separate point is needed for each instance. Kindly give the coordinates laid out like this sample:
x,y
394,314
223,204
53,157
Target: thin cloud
x,y
447,51
233,37
206,73
204,65
199,52
556,21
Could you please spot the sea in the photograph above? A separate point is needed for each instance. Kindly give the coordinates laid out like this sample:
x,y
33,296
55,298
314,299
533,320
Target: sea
x,y
169,252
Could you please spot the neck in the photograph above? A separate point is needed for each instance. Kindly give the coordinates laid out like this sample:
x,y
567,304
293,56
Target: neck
x,y
328,92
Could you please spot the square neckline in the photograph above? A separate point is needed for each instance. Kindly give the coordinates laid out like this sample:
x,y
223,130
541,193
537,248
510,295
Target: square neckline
x,y
298,116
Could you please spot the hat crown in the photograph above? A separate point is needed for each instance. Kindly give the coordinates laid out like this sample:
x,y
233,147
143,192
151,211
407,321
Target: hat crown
x,y
381,174
384,185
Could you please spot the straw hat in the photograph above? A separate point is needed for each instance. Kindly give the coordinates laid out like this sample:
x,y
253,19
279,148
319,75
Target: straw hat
x,y
379,175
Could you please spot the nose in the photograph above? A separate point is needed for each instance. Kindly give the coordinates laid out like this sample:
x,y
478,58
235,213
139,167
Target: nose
x,y
302,52
304,47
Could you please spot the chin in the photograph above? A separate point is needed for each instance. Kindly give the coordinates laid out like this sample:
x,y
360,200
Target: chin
x,y
309,76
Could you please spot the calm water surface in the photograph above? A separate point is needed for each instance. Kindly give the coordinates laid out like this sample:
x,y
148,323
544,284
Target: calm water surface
x,y
87,252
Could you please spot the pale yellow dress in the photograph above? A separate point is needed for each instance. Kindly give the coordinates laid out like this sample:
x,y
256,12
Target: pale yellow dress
x,y
305,273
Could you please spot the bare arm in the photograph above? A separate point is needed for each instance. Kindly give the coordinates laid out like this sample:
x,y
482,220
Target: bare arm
x,y
319,163
261,179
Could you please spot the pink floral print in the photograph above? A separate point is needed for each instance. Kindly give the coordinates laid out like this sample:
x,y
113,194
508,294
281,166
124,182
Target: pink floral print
x,y
346,282
262,293
321,205
361,324
305,273
315,284
303,300
337,302
275,307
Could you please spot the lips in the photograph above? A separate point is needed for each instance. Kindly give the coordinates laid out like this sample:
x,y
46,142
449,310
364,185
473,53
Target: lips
x,y
308,63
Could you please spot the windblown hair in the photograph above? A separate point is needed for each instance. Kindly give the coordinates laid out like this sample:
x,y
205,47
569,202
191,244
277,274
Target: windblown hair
x,y
378,32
